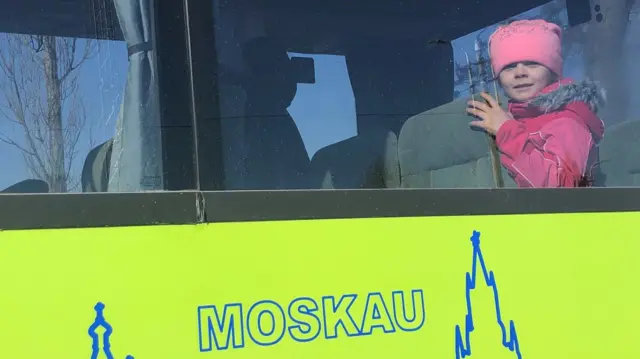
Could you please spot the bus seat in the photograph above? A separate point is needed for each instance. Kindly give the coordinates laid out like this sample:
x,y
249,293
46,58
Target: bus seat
x,y
619,155
437,149
364,161
276,155
95,171
27,186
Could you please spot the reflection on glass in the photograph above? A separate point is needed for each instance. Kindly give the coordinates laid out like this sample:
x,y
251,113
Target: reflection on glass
x,y
282,130
554,84
401,118
77,103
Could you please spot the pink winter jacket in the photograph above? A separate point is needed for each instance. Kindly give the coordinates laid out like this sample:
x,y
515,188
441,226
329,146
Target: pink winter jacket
x,y
553,140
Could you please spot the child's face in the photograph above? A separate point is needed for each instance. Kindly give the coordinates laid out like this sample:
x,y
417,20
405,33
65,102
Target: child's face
x,y
522,81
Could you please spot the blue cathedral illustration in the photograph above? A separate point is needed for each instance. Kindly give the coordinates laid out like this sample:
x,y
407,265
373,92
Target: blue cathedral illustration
x,y
101,322
102,344
463,335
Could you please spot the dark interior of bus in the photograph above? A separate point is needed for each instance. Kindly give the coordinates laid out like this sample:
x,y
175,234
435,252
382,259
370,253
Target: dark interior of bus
x,y
448,20
412,75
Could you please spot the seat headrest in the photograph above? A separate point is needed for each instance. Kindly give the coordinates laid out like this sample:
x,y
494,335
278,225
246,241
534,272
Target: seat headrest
x,y
95,171
263,55
28,186
367,160
271,75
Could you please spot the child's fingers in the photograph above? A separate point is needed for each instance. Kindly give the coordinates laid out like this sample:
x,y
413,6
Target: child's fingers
x,y
478,105
477,113
492,102
478,124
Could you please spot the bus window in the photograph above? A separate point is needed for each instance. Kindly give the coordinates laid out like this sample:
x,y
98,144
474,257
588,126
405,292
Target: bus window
x,y
280,131
388,107
577,129
79,98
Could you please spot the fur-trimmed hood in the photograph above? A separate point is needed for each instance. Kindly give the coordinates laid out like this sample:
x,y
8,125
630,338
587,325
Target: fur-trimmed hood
x,y
578,100
564,92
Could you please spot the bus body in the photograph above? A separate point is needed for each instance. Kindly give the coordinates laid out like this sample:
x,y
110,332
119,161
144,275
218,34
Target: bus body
x,y
360,249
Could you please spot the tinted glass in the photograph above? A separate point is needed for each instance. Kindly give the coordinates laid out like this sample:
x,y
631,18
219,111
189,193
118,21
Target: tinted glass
x,y
315,95
79,99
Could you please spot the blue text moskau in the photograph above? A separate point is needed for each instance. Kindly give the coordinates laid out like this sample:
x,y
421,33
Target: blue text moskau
x,y
304,319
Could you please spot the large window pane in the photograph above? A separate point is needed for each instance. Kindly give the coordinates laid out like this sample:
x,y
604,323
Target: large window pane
x,y
320,108
597,58
79,98
318,95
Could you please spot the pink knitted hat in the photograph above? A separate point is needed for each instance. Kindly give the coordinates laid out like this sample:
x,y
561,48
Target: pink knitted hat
x,y
527,40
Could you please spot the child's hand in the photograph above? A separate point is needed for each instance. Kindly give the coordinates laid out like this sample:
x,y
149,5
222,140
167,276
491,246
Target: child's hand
x,y
492,115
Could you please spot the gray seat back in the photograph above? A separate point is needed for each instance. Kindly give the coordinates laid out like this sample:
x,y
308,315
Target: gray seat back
x,y
438,149
620,154
364,161
95,172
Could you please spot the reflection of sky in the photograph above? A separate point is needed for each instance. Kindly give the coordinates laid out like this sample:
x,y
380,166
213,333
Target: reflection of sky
x,y
333,119
101,81
324,111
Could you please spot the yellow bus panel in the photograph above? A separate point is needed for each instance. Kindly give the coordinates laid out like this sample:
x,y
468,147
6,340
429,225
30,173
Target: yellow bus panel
x,y
522,286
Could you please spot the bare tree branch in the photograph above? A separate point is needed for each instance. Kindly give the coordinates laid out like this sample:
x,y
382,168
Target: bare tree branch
x,y
40,96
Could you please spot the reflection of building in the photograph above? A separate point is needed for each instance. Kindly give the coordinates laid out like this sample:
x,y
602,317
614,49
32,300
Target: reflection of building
x,y
100,322
463,340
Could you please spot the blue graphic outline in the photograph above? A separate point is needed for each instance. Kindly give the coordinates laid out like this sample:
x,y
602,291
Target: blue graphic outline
x,y
463,346
106,337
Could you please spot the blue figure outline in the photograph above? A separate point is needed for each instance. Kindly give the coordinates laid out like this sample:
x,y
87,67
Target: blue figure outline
x,y
95,338
463,345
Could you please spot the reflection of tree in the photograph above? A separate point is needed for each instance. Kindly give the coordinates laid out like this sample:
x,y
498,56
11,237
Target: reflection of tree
x,y
470,74
39,81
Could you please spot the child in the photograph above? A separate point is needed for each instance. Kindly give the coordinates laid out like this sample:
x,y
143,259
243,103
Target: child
x,y
549,136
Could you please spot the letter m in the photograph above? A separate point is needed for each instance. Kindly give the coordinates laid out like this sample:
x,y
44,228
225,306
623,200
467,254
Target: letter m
x,y
220,330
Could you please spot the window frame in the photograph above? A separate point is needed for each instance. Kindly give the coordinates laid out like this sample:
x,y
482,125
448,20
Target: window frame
x,y
181,65
175,96
205,105
57,211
